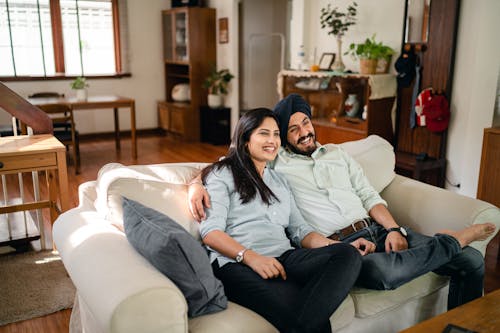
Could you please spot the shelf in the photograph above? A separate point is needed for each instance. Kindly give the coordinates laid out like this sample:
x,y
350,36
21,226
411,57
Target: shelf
x,y
179,105
327,105
189,51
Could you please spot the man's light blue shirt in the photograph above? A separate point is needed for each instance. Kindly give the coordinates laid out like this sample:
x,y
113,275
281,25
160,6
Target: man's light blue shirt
x,y
330,187
255,225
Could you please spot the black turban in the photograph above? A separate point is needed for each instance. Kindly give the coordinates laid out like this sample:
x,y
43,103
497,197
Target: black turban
x,y
284,110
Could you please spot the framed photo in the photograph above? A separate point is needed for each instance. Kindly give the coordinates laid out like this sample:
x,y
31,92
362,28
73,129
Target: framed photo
x,y
223,30
326,61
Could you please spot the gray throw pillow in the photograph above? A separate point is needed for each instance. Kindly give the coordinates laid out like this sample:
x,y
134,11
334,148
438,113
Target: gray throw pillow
x,y
175,253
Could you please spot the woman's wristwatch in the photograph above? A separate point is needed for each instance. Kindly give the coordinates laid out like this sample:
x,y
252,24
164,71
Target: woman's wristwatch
x,y
239,257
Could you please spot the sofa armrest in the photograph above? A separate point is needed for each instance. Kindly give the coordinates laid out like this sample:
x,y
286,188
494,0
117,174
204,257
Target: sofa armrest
x,y
122,290
428,209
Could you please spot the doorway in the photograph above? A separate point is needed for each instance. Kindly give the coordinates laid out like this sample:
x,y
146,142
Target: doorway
x,y
263,53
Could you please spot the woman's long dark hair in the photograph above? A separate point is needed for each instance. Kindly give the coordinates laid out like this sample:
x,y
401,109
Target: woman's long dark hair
x,y
246,178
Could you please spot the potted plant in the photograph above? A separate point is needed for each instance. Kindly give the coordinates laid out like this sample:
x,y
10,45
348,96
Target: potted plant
x,y
216,83
370,52
337,23
80,84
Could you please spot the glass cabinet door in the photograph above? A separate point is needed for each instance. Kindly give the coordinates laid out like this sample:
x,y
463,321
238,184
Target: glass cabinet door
x,y
181,42
175,47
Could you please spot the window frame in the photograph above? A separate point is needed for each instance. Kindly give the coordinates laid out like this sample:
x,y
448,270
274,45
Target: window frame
x,y
58,47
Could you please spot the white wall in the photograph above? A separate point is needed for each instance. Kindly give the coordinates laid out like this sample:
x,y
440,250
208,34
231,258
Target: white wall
x,y
146,85
227,54
477,65
382,17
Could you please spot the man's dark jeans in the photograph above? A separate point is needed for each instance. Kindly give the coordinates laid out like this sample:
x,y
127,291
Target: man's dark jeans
x,y
318,280
440,253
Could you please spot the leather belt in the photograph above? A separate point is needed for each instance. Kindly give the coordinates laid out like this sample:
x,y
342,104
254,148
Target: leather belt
x,y
352,228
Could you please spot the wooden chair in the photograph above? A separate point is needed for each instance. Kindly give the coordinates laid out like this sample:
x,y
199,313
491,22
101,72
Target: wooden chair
x,y
47,94
64,129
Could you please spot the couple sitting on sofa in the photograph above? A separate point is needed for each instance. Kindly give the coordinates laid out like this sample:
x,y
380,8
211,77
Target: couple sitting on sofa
x,y
253,215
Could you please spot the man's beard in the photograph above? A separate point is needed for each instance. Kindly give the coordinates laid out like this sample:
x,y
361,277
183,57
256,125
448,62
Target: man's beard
x,y
309,150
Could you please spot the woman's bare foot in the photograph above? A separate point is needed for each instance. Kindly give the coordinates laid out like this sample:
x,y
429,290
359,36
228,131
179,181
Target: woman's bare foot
x,y
475,232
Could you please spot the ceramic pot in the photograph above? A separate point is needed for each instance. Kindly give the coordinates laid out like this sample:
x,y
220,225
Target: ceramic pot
x,y
214,101
351,105
81,94
181,92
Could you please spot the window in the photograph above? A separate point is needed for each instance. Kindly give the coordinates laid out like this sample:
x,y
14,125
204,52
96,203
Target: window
x,y
59,38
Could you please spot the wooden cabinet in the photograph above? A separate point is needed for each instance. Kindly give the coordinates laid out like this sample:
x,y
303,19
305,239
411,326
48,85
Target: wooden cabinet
x,y
327,95
488,188
189,52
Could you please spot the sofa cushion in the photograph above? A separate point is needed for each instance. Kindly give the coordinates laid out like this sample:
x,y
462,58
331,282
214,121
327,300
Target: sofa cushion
x,y
161,187
235,318
344,315
369,302
376,157
175,253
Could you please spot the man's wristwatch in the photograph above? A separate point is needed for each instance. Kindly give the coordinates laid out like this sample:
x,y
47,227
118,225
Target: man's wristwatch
x,y
401,230
239,257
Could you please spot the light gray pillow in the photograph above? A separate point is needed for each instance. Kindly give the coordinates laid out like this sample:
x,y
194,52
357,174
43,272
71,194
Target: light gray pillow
x,y
175,253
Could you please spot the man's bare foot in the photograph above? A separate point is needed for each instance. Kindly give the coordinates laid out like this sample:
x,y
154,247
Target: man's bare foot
x,y
475,232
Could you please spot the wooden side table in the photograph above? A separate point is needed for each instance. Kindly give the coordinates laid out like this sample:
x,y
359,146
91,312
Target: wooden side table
x,y
27,154
481,315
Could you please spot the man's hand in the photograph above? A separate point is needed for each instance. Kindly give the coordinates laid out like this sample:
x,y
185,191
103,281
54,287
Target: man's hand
x,y
198,198
364,246
395,242
266,267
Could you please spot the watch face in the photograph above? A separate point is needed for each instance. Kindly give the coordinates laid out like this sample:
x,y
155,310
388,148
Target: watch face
x,y
403,231
239,258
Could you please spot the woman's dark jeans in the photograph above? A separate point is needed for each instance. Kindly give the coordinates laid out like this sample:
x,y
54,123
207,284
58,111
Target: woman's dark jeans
x,y
318,280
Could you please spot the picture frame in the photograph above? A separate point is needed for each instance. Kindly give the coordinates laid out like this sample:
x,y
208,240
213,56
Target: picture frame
x,y
223,30
326,61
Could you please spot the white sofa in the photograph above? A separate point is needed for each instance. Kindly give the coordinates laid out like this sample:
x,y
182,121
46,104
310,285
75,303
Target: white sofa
x,y
119,291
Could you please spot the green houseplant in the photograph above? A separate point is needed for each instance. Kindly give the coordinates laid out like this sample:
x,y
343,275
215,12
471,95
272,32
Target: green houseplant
x,y
80,84
370,52
216,83
337,23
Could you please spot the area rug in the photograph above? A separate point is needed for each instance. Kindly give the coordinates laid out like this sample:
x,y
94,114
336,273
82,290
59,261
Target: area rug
x,y
33,284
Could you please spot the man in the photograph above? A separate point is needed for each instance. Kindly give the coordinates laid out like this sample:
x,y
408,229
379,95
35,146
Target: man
x,y
335,197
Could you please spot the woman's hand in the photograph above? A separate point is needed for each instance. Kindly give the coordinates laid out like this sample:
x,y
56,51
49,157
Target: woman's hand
x,y
266,267
198,199
364,246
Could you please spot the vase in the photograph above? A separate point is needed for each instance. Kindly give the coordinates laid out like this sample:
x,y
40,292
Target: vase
x,y
81,94
338,64
214,101
351,105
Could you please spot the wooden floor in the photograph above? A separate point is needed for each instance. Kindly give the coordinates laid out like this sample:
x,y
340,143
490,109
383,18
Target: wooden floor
x,y
161,149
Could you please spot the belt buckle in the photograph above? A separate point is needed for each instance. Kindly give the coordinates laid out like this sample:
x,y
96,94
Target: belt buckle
x,y
364,223
353,225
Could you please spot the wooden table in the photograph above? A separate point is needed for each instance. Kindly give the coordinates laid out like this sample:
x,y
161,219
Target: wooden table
x,y
481,315
99,102
27,154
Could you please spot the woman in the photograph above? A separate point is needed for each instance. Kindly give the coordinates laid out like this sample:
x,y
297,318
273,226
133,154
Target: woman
x,y
246,229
